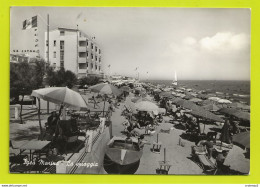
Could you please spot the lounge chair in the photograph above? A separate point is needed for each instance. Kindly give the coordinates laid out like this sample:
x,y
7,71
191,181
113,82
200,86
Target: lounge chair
x,y
207,164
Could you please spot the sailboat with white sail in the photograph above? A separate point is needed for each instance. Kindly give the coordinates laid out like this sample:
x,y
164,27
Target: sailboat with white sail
x,y
174,82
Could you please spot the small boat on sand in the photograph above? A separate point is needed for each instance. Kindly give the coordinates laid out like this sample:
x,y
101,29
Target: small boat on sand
x,y
122,155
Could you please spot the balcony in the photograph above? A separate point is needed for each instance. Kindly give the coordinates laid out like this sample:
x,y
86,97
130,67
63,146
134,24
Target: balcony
x,y
82,49
82,70
82,60
82,38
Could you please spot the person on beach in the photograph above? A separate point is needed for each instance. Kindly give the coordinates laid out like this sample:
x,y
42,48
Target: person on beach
x,y
110,109
52,122
209,147
220,159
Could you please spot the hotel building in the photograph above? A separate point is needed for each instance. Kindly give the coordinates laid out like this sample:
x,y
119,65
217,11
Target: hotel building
x,y
73,50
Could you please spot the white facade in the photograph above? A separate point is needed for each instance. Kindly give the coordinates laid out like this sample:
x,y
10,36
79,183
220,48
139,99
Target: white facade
x,y
73,50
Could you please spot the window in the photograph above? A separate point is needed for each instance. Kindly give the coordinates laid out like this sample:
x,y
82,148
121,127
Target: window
x,y
87,53
87,64
47,43
54,54
99,51
99,68
96,58
96,49
96,67
62,56
62,33
46,54
62,64
61,45
87,42
92,56
99,59
91,66
92,46
54,43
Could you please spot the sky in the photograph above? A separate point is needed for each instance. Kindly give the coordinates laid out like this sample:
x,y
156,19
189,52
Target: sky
x,y
199,44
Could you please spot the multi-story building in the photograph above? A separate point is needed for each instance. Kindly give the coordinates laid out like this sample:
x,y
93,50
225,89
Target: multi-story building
x,y
73,50
16,58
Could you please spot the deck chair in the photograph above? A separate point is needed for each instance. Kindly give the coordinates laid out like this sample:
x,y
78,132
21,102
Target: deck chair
x,y
16,159
200,153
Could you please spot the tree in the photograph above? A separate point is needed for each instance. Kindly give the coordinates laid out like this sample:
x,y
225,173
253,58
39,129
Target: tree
x,y
24,78
88,81
61,77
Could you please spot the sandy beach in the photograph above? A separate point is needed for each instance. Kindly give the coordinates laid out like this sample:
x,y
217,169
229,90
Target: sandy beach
x,y
179,156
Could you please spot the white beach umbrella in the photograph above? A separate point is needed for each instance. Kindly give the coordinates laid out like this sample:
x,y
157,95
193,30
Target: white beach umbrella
x,y
61,95
214,99
224,101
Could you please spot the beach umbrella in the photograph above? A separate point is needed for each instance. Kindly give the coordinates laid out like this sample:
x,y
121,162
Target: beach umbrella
x,y
175,100
146,106
239,106
181,95
242,115
188,96
229,111
125,88
216,99
207,102
61,95
167,89
224,101
236,113
242,139
202,96
206,115
195,100
188,105
211,107
157,90
166,94
105,88
139,99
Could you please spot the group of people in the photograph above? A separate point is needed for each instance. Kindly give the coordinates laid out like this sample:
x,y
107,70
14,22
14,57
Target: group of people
x,y
133,124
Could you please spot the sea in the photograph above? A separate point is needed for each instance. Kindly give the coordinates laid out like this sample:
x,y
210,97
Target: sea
x,y
236,90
